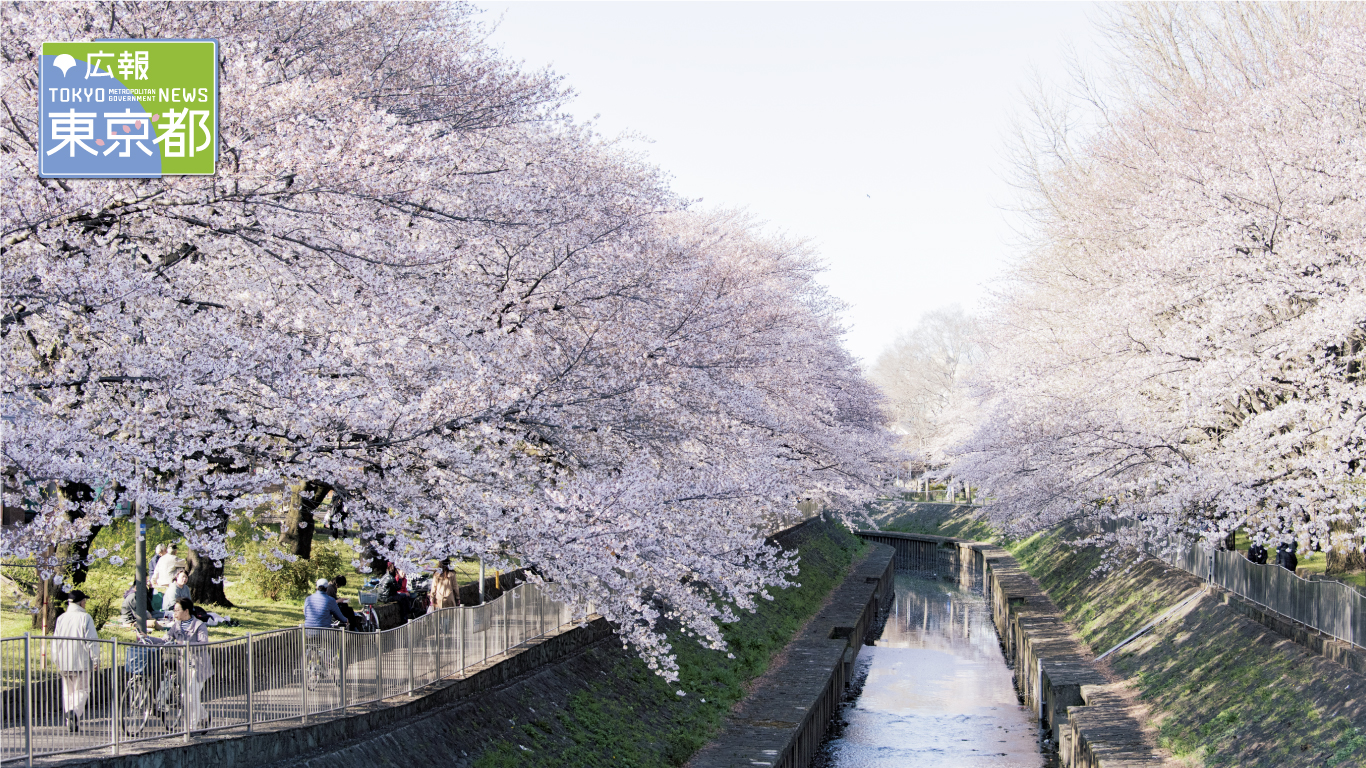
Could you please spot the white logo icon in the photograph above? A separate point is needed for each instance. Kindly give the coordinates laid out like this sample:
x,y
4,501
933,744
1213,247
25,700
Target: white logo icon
x,y
64,62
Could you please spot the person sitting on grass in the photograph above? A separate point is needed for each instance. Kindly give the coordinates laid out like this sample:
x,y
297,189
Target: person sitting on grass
x,y
129,610
334,588
391,592
180,587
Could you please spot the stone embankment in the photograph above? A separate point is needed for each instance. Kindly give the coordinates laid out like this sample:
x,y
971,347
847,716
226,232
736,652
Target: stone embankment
x,y
1225,682
1055,676
783,720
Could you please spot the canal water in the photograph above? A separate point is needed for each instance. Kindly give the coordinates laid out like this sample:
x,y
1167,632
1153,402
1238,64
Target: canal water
x,y
935,690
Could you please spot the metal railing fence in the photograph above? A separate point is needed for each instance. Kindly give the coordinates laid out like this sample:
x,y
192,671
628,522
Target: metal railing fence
x,y
1331,607
138,692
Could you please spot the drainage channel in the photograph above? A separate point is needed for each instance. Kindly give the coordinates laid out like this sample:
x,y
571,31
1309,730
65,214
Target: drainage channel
x,y
934,691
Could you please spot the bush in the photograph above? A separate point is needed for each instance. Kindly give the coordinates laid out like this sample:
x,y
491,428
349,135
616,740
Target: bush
x,y
276,574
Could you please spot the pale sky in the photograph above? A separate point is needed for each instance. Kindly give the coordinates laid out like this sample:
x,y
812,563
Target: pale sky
x,y
876,130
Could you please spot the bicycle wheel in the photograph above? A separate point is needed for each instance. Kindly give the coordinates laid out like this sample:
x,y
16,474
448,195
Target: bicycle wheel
x,y
137,705
172,701
318,671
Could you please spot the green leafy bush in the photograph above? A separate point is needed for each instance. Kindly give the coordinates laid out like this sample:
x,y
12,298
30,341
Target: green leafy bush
x,y
276,574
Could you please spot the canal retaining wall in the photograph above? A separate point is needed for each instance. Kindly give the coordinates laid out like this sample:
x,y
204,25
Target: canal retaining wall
x,y
1054,674
782,722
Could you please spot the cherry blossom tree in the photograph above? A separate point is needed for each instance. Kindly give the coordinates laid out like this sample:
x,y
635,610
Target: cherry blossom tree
x,y
1182,348
416,286
920,374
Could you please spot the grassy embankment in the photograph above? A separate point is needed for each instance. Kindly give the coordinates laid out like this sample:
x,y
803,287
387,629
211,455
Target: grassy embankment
x,y
106,584
906,515
1224,691
628,716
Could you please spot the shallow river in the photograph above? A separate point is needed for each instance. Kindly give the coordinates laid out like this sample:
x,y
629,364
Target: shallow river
x,y
937,692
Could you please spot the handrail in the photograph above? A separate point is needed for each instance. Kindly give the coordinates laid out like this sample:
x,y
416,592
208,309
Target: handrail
x,y
292,673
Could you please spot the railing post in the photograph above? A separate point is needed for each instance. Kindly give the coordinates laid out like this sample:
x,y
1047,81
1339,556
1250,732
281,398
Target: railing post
x,y
303,675
187,680
379,663
114,691
507,628
460,636
251,686
28,699
341,663
409,639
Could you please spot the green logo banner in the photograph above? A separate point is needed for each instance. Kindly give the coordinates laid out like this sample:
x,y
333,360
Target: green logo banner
x,y
129,108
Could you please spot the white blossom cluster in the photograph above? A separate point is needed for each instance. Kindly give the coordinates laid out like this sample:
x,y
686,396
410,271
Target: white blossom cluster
x,y
488,331
1183,348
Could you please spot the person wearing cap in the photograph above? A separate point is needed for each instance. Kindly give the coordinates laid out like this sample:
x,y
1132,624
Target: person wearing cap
x,y
320,608
76,659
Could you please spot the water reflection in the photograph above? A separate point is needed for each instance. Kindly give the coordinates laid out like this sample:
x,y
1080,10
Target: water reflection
x,y
938,692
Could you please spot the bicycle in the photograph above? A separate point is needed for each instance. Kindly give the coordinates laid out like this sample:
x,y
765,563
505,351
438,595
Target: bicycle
x,y
145,697
320,666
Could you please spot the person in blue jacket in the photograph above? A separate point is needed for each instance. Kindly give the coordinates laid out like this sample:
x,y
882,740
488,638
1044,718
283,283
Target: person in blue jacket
x,y
320,608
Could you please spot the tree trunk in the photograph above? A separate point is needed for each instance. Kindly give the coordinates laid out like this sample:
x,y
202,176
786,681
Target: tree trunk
x,y
1344,558
71,558
296,532
205,580
50,600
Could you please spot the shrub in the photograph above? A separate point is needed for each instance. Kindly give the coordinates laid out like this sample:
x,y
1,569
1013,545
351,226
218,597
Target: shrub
x,y
276,574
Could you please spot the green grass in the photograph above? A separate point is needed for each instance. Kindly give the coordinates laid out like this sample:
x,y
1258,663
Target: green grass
x,y
254,612
1222,692
936,519
632,717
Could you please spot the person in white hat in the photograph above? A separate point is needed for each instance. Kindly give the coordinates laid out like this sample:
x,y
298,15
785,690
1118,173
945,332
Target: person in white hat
x,y
320,608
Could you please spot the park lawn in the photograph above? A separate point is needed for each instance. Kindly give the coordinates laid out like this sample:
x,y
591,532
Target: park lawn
x,y
254,612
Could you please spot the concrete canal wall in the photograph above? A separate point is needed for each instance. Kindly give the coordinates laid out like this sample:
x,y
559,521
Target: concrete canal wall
x,y
1054,674
782,722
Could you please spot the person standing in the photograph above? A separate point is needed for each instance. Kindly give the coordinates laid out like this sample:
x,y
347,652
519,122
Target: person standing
x,y
445,593
1257,554
1285,556
188,629
76,659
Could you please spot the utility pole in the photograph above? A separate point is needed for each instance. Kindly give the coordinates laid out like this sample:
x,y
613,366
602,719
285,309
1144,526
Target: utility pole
x,y
141,563
481,580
